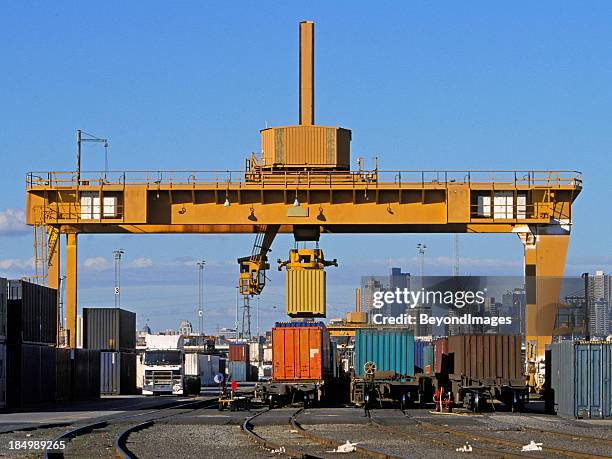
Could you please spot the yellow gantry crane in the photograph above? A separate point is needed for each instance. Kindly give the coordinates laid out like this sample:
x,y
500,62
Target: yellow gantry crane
x,y
303,184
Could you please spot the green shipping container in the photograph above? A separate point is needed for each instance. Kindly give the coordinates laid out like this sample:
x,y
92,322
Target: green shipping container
x,y
389,349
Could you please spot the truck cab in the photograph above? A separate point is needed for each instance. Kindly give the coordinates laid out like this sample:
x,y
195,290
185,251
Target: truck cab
x,y
164,365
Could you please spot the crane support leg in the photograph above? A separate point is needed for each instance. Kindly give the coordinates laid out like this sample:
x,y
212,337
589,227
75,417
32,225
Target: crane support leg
x,y
71,289
53,281
544,264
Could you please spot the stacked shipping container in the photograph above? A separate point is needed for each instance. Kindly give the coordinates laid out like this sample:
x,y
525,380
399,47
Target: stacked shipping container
x,y
112,331
3,312
31,313
239,366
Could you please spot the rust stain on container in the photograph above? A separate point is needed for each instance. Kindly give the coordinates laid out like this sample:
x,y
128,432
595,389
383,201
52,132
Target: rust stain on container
x,y
305,290
300,353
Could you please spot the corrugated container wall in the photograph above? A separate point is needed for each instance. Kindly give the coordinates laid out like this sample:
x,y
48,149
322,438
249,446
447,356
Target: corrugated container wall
x,y
315,146
3,312
486,356
305,293
239,371
255,352
441,356
3,365
204,366
31,313
85,374
582,378
31,375
239,352
420,350
390,350
267,354
117,373
109,329
301,352
63,374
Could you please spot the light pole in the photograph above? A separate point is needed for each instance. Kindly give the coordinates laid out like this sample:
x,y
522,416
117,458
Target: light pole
x,y
117,254
201,297
421,253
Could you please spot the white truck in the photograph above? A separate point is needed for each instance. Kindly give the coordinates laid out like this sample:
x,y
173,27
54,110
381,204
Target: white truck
x,y
163,365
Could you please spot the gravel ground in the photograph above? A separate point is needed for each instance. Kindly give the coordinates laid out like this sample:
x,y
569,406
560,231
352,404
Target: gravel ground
x,y
374,438
194,441
28,435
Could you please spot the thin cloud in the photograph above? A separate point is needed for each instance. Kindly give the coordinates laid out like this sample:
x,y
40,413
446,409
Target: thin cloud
x,y
142,262
97,264
12,222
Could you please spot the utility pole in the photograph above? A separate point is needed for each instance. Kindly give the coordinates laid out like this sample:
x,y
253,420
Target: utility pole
x,y
117,255
201,297
236,321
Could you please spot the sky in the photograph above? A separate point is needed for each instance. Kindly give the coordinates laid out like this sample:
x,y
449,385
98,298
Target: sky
x,y
188,85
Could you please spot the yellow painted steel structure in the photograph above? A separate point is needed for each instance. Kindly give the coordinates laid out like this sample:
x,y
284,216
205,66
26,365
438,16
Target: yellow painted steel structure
x,y
535,205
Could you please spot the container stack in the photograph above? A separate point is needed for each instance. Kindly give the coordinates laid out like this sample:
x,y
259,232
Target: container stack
x,y
112,332
30,339
3,295
581,378
239,366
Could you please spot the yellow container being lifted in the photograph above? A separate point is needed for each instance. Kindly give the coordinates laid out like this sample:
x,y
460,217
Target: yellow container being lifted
x,y
306,293
305,286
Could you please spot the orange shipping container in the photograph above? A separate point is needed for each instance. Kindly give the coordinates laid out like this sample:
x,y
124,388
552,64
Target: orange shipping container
x,y
300,353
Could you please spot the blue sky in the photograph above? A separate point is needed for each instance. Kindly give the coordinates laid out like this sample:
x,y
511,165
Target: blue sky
x,y
188,85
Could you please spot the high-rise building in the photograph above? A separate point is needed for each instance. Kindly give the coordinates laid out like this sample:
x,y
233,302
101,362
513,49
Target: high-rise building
x,y
185,328
599,304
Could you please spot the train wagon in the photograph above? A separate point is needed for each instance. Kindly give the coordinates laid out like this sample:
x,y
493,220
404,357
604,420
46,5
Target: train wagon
x,y
384,370
477,371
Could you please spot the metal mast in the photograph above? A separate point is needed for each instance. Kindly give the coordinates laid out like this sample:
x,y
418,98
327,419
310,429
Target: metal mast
x,y
246,318
201,297
117,254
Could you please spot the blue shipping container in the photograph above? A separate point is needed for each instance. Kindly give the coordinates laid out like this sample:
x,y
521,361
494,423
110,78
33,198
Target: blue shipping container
x,y
239,371
582,378
390,350
423,354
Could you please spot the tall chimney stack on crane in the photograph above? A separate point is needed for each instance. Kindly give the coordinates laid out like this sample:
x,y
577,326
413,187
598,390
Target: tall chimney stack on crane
x,y
306,73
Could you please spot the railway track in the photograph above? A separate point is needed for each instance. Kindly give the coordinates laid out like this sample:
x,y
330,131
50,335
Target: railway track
x,y
151,416
299,451
505,442
445,442
569,436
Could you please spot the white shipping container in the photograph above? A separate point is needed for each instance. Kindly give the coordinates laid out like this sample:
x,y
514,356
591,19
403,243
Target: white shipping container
x,y
139,372
2,376
203,365
255,352
267,354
